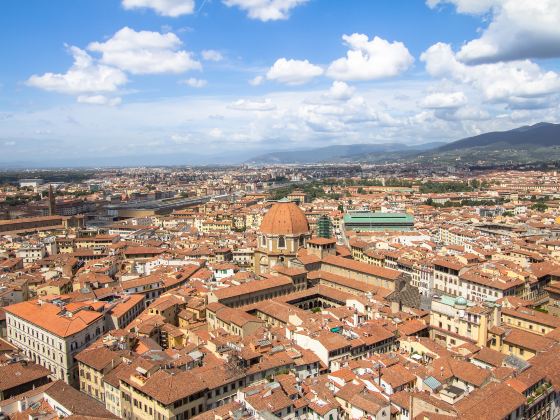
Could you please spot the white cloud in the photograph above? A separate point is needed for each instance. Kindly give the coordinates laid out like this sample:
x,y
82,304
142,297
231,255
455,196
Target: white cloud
x,y
145,52
293,72
181,138
340,91
321,118
195,83
470,113
501,82
172,8
466,6
444,100
369,60
249,105
43,132
266,10
212,55
256,81
85,76
98,100
376,113
518,29
215,133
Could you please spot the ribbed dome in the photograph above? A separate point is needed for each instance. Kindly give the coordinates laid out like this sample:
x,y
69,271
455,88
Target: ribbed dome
x,y
284,218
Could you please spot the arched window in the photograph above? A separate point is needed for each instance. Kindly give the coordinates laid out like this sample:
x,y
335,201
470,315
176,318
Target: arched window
x,y
263,240
281,242
301,240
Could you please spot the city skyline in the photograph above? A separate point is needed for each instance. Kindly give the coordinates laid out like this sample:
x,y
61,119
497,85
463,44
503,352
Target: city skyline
x,y
149,77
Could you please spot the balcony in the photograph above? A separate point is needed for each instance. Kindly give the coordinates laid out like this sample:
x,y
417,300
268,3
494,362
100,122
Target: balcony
x,y
539,394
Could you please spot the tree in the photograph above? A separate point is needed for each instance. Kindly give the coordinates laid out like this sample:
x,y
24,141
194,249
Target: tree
x,y
361,190
540,206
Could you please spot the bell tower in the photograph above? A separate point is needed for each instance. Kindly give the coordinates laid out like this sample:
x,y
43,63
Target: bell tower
x,y
52,202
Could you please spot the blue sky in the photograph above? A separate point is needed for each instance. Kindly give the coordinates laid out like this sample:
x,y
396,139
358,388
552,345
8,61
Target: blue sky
x,y
143,77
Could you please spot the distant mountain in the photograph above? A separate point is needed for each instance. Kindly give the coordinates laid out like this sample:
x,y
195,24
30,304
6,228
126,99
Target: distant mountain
x,y
527,144
337,153
538,135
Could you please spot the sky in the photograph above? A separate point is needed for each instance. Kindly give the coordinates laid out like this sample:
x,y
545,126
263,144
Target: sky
x,y
82,80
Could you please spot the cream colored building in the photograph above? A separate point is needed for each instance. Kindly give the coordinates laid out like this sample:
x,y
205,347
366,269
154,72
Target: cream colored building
x,y
51,335
455,321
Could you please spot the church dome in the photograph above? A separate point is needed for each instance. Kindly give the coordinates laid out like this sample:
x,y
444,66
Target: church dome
x,y
285,218
461,301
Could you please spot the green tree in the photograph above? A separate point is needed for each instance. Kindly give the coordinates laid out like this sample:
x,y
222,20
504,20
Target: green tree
x,y
539,206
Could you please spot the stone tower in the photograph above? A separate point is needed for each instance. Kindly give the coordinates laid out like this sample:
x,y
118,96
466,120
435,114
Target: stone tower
x,y
52,202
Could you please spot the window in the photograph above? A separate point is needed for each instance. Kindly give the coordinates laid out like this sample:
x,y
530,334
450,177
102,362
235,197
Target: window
x,y
281,242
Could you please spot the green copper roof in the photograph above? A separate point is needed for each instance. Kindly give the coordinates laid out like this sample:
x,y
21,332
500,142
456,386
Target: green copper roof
x,y
377,218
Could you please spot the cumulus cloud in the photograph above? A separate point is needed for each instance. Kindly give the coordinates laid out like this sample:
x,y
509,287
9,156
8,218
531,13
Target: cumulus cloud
x,y
517,30
500,82
293,72
444,100
266,10
256,81
98,100
195,83
306,117
249,105
369,60
172,8
340,91
145,52
461,114
467,6
85,76
212,55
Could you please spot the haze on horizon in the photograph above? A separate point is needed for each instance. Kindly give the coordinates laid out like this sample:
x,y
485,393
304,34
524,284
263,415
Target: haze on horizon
x,y
84,79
